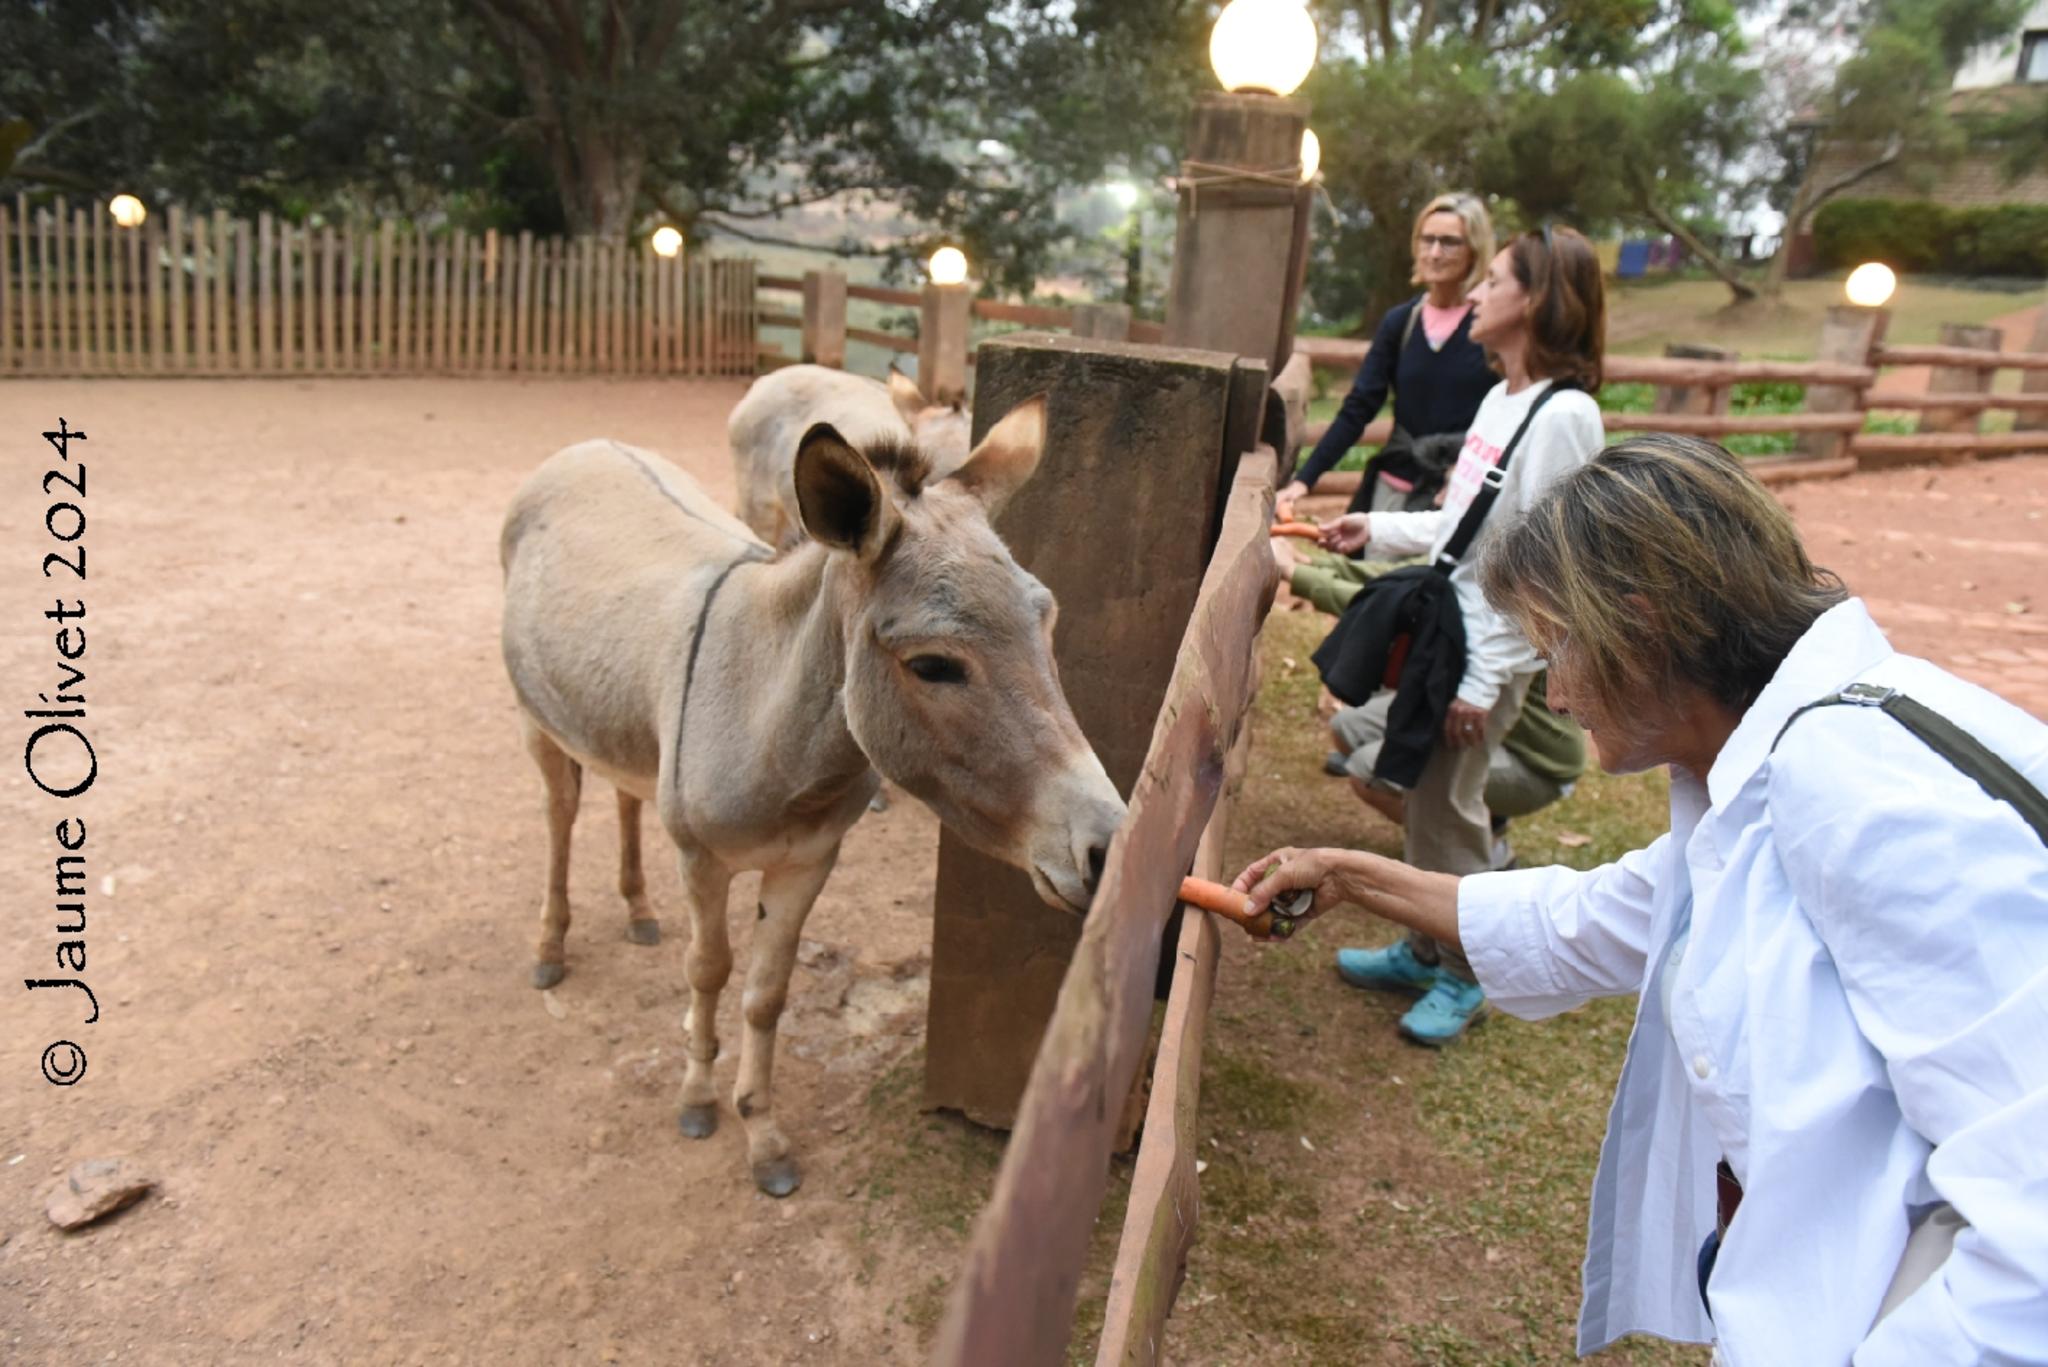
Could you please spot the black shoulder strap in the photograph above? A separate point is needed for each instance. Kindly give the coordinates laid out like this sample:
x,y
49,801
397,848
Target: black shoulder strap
x,y
1408,328
1951,742
1489,489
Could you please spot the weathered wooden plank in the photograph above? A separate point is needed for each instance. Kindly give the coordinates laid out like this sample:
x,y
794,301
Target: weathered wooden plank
x,y
1343,355
60,283
220,248
1722,425
153,266
1165,1200
894,341
245,305
346,284
465,304
176,241
202,295
877,295
1961,444
96,285
1030,315
1968,358
1013,1301
133,293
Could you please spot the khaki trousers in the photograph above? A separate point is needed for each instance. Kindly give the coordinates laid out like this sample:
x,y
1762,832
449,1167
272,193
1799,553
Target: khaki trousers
x,y
1448,829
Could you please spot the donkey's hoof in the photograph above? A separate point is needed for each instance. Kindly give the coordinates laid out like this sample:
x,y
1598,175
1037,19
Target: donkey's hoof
x,y
778,1177
547,975
698,1122
644,932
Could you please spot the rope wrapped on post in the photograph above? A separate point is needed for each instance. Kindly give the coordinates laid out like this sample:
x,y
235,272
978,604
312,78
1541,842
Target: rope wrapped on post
x,y
1195,176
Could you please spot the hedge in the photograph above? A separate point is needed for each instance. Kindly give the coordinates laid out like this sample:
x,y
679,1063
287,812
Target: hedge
x,y
1915,235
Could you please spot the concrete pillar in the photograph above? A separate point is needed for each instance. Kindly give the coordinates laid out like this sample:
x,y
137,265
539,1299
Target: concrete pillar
x,y
942,343
1129,428
1238,254
824,332
1848,335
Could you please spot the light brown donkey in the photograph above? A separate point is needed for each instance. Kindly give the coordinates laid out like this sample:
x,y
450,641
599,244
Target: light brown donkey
x,y
652,639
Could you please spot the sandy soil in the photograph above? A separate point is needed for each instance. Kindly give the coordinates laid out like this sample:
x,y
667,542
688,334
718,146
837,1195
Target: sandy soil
x,y
315,860
324,845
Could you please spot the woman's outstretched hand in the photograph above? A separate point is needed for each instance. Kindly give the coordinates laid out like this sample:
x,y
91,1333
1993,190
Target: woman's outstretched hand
x,y
1291,870
1348,534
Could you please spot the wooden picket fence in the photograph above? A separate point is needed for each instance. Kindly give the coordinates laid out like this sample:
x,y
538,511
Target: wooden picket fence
x,y
207,294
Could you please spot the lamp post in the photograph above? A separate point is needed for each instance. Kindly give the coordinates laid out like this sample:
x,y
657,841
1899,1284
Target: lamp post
x,y
1240,241
127,210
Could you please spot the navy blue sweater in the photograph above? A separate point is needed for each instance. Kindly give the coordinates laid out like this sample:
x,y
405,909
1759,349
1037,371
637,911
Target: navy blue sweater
x,y
1434,391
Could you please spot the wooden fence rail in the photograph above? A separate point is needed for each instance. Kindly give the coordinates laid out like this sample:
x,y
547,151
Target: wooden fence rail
x,y
191,294
1013,1302
1693,397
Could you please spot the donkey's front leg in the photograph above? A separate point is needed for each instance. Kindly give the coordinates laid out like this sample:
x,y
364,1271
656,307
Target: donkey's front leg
x,y
708,963
786,898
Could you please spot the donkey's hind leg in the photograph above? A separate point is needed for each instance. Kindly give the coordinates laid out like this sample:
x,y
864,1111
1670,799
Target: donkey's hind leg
x,y
564,779
642,926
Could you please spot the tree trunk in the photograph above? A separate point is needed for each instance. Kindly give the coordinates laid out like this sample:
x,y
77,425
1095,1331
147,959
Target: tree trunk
x,y
1807,201
1727,274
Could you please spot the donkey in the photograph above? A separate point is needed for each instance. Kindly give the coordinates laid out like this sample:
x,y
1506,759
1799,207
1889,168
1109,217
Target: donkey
x,y
782,405
653,640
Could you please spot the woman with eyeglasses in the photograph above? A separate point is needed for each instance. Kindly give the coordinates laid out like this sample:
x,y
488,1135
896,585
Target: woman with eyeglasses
x,y
1541,313
1424,352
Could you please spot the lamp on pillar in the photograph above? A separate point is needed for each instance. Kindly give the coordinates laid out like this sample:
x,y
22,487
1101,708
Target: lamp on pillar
x,y
1241,239
942,328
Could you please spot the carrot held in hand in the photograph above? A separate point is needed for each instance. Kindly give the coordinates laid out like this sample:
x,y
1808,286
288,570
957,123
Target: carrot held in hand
x,y
1230,904
1307,530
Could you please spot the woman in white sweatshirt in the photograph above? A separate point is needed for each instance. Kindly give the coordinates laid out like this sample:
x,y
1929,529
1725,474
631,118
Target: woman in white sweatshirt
x,y
1541,313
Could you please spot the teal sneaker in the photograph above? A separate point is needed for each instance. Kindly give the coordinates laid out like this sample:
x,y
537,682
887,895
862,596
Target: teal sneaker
x,y
1393,968
1445,1010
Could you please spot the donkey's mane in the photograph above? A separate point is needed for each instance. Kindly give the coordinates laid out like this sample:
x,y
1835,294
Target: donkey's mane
x,y
900,459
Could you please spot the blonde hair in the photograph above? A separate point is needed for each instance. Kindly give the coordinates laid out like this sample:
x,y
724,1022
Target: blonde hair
x,y
1660,562
1478,234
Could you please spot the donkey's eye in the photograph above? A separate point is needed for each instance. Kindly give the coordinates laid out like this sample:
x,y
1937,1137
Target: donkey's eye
x,y
937,669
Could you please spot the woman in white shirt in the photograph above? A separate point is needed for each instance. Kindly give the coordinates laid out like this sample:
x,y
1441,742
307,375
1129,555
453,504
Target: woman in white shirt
x,y
1840,948
1541,313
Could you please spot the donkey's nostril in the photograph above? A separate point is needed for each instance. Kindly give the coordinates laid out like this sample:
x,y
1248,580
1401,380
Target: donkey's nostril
x,y
1096,855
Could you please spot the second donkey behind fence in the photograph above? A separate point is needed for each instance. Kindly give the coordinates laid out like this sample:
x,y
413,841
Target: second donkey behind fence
x,y
652,639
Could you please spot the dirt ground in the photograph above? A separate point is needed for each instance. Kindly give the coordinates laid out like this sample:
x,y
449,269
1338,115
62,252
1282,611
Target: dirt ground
x,y
315,862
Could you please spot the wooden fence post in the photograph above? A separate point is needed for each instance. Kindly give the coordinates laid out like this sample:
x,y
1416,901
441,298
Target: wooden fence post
x,y
1103,322
824,330
1126,429
942,343
1235,254
1960,379
1687,398
2034,381
1849,335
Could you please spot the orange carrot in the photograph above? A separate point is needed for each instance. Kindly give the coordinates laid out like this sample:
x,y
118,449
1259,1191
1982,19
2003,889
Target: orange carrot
x,y
1306,530
1226,902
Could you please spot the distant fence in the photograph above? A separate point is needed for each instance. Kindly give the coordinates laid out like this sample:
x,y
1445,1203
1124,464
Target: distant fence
x,y
213,295
818,315
1693,392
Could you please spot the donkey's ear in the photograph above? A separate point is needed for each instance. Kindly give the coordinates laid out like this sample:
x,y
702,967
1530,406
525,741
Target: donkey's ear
x,y
908,398
1006,457
838,498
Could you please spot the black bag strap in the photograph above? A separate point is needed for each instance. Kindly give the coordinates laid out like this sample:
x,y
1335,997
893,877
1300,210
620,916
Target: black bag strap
x,y
1489,490
2003,782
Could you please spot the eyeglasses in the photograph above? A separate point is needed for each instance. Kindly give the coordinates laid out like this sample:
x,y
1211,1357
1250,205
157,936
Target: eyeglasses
x,y
1442,244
